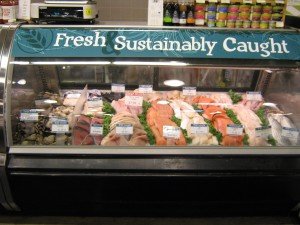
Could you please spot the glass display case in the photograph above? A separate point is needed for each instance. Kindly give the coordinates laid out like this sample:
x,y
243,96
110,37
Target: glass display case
x,y
83,102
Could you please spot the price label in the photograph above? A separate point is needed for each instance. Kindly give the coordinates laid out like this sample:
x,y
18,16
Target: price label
x,y
200,1
214,1
291,133
134,99
29,115
59,126
199,129
124,129
96,129
146,89
235,130
263,132
189,91
261,1
225,1
95,102
73,95
279,24
88,11
279,1
254,96
118,88
171,132
247,1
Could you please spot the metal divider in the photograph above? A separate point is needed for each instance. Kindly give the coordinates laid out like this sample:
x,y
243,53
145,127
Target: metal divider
x,y
6,40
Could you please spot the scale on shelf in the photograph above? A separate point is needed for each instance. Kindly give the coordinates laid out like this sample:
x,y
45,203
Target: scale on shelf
x,y
64,12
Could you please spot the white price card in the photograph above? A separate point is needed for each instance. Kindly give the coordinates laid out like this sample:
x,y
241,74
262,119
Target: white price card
x,y
279,24
291,133
189,91
134,99
200,1
95,102
171,132
279,1
124,129
29,115
225,1
247,1
73,95
59,125
261,1
145,89
215,1
263,132
235,129
199,129
118,88
254,96
96,129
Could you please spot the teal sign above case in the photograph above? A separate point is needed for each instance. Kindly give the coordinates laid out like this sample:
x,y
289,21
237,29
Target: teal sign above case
x,y
158,43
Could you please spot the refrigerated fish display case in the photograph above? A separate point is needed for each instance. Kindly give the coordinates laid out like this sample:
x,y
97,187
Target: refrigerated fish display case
x,y
154,121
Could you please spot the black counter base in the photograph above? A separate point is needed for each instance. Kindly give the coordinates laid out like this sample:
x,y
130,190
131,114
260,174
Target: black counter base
x,y
185,187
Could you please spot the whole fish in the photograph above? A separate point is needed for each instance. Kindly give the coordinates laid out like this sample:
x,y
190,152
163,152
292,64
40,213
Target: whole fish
x,y
277,132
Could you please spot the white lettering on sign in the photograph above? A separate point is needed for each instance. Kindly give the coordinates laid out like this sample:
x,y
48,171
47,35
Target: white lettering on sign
x,y
263,132
199,129
189,91
124,129
235,130
291,133
254,96
29,115
265,49
96,129
59,125
171,132
134,99
118,88
145,89
230,44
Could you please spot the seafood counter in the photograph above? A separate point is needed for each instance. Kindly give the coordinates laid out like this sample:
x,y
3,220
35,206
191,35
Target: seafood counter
x,y
174,118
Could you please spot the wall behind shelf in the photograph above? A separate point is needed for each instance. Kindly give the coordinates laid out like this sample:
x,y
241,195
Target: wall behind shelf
x,y
121,10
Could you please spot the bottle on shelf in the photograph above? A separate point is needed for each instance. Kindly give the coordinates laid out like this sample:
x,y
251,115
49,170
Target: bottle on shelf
x,y
167,13
190,21
176,12
9,9
1,12
182,13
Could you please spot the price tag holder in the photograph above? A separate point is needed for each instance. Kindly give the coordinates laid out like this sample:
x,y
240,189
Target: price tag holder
x,y
59,126
95,102
199,129
189,91
225,1
96,129
213,1
200,1
235,130
261,1
171,132
29,115
134,99
145,89
247,1
254,96
263,132
118,88
291,133
124,129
